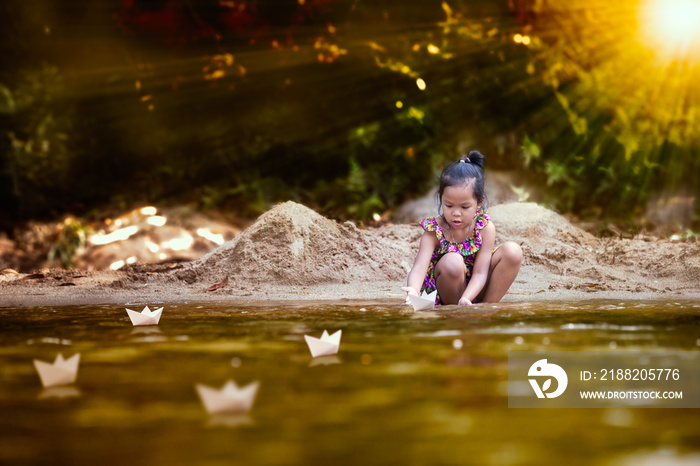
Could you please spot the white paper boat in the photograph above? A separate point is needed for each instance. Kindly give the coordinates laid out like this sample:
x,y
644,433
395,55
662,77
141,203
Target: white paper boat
x,y
423,302
145,317
61,372
230,399
325,346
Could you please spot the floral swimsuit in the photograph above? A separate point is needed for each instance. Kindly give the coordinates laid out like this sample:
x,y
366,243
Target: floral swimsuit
x,y
467,248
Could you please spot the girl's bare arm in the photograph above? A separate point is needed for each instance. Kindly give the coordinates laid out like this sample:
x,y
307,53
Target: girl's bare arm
x,y
428,243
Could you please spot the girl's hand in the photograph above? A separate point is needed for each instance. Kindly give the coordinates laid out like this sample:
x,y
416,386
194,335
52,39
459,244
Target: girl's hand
x,y
464,302
410,290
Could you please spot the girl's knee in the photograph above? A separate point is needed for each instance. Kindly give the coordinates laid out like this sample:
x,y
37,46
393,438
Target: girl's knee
x,y
452,265
511,253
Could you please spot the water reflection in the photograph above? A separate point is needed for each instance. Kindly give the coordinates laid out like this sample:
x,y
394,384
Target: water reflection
x,y
621,417
325,361
434,382
229,420
59,392
148,334
667,456
146,330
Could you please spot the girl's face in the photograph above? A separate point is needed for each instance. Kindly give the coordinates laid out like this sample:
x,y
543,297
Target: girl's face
x,y
459,206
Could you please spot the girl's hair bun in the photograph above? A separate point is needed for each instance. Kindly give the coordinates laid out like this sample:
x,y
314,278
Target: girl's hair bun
x,y
475,157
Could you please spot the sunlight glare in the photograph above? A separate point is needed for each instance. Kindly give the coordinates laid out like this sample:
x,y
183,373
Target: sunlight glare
x,y
207,234
117,265
153,247
156,220
179,244
671,27
119,235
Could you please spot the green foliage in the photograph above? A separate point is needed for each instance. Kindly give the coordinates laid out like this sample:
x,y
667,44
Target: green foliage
x,y
363,202
530,150
579,108
689,235
38,157
71,239
522,193
628,136
7,102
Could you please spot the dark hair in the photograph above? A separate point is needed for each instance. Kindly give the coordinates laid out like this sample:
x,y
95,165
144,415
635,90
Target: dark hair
x,y
467,171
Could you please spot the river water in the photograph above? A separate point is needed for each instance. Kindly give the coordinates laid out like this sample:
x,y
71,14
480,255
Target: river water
x,y
405,387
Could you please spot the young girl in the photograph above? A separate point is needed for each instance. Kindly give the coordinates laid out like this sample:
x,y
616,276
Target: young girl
x,y
456,255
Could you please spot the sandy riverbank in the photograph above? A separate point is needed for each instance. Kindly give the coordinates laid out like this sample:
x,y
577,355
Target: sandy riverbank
x,y
292,253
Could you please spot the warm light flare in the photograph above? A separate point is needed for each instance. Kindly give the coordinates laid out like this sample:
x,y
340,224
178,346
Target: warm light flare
x,y
671,27
156,220
206,233
117,265
520,39
179,244
118,235
153,247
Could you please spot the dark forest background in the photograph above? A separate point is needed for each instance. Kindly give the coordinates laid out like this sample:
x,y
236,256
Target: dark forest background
x,y
347,106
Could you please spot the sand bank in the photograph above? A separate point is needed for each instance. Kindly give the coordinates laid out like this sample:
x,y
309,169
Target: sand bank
x,y
291,253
